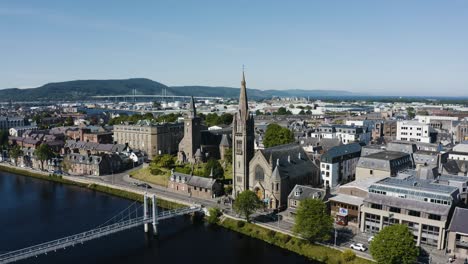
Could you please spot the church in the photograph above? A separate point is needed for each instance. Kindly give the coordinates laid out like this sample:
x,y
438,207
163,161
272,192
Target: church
x,y
272,172
200,144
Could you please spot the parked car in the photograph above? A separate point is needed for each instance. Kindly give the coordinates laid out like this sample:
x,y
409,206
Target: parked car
x,y
144,185
358,246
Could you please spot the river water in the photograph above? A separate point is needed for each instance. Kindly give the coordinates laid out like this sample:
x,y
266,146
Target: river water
x,y
33,211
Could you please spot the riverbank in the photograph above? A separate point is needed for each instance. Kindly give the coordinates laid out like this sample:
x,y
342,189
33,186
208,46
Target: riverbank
x,y
92,186
299,246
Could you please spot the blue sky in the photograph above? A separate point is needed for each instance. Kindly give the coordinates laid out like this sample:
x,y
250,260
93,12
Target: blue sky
x,y
380,47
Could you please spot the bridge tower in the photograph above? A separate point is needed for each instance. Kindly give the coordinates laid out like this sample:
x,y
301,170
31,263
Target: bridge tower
x,y
155,214
145,211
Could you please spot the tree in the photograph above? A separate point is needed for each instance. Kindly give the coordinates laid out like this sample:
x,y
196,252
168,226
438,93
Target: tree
x,y
282,111
43,153
15,153
277,135
214,214
312,220
411,112
394,244
258,113
302,112
68,121
246,203
3,137
215,166
228,156
163,161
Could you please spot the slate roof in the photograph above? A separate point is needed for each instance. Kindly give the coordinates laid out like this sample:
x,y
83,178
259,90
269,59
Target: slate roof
x,y
456,166
459,221
341,151
73,144
292,159
306,192
193,180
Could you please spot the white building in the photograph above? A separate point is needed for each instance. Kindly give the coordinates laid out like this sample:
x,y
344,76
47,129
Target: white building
x,y
338,165
415,131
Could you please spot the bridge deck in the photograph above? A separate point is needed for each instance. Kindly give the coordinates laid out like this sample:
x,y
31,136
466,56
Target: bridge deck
x,y
72,240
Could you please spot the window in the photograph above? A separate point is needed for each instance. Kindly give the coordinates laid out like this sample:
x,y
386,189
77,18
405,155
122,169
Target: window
x,y
434,217
395,210
277,187
239,147
414,213
259,173
238,179
376,206
371,172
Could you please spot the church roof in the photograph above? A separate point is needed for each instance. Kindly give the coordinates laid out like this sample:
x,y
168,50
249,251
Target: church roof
x,y
225,141
291,160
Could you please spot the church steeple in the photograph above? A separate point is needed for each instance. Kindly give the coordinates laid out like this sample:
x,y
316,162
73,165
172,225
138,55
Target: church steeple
x,y
243,103
193,110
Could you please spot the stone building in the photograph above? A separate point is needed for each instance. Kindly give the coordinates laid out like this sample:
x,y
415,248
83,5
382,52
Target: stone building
x,y
7,122
152,138
457,237
243,137
195,186
191,140
273,173
300,193
385,163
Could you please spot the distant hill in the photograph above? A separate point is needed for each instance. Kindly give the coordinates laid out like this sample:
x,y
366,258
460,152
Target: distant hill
x,y
85,89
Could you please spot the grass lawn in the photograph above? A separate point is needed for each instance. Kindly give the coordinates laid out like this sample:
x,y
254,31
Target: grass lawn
x,y
299,246
145,175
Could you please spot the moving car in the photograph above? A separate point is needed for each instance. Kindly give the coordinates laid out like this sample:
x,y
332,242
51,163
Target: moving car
x,y
358,246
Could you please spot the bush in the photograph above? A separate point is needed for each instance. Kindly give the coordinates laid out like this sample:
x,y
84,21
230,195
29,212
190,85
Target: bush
x,y
348,255
270,233
156,171
240,224
228,189
214,214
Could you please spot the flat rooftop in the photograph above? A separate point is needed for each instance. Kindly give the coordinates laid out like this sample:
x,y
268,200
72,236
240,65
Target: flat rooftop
x,y
387,155
416,184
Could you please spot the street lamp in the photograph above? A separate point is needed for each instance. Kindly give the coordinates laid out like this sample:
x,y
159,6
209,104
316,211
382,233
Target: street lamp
x,y
336,235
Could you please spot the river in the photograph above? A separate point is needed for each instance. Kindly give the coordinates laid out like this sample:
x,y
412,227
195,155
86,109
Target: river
x,y
34,211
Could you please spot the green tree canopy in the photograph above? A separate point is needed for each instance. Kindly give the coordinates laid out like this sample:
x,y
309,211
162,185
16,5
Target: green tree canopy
x,y
213,164
15,152
43,153
213,119
68,121
277,135
163,161
282,111
3,137
394,245
313,221
246,203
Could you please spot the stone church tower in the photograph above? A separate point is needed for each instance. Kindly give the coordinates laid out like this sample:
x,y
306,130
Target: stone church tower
x,y
189,145
242,142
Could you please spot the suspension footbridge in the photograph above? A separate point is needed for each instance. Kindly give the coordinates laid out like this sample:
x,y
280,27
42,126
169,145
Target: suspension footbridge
x,y
128,218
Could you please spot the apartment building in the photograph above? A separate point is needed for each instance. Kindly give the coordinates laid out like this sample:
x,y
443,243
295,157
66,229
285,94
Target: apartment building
x,y
338,164
415,131
154,139
347,134
423,205
384,163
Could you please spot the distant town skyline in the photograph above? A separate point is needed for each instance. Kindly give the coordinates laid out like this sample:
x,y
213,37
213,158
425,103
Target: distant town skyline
x,y
368,47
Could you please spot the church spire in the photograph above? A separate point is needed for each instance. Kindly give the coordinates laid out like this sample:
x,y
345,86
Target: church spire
x,y
243,103
193,110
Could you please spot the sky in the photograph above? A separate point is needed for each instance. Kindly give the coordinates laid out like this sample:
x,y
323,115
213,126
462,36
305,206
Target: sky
x,y
394,47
